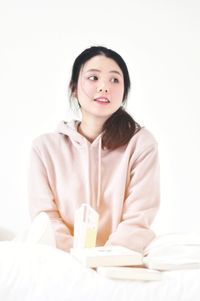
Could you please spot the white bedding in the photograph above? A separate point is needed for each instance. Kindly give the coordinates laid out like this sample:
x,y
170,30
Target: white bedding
x,y
40,272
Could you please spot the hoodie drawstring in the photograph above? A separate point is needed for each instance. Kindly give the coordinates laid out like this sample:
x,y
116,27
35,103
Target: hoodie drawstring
x,y
70,129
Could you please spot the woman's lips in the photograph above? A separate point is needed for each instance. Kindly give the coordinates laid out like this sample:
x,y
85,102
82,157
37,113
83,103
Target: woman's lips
x,y
102,100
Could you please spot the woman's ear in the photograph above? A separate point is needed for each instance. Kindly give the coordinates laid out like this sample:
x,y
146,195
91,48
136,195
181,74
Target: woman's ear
x,y
74,93
73,89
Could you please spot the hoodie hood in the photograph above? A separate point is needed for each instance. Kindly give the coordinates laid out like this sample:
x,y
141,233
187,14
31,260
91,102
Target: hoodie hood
x,y
70,129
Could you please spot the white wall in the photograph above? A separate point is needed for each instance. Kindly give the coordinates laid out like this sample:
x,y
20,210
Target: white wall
x,y
159,40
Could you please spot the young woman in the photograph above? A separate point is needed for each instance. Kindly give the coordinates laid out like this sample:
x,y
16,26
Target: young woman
x,y
106,159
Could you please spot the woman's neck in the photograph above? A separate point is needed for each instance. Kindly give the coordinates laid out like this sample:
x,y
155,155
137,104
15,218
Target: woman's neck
x,y
90,129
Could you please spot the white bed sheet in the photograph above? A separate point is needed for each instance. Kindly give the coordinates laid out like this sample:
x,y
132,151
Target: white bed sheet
x,y
39,272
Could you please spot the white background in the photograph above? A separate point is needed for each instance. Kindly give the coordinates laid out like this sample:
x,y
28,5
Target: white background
x,y
160,42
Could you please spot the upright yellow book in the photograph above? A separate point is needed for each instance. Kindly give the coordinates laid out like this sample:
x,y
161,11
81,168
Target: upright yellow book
x,y
85,227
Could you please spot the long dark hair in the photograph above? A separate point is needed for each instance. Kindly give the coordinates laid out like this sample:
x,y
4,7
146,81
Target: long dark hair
x,y
120,127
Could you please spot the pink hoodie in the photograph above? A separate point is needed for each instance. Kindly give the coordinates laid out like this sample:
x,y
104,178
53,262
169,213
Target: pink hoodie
x,y
67,170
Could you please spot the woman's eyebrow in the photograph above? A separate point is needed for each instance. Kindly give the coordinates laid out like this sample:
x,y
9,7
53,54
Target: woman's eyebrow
x,y
115,71
97,70
93,70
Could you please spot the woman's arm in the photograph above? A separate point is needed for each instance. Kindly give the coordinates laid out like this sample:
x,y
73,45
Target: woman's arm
x,y
141,203
41,199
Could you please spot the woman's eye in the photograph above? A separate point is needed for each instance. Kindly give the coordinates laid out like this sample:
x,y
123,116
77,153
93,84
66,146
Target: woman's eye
x,y
93,77
114,80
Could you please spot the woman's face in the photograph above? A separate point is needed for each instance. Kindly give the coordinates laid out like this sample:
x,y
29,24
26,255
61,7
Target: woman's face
x,y
100,87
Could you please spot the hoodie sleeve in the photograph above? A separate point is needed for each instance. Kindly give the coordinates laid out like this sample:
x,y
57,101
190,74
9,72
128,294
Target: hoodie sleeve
x,y
41,199
141,202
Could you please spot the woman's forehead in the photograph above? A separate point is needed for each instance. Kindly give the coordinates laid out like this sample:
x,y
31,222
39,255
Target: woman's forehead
x,y
101,63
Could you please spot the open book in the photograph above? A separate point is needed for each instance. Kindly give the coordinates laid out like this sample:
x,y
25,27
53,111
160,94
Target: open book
x,y
174,251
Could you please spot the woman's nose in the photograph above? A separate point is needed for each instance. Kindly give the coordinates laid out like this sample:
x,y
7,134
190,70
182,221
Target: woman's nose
x,y
102,88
